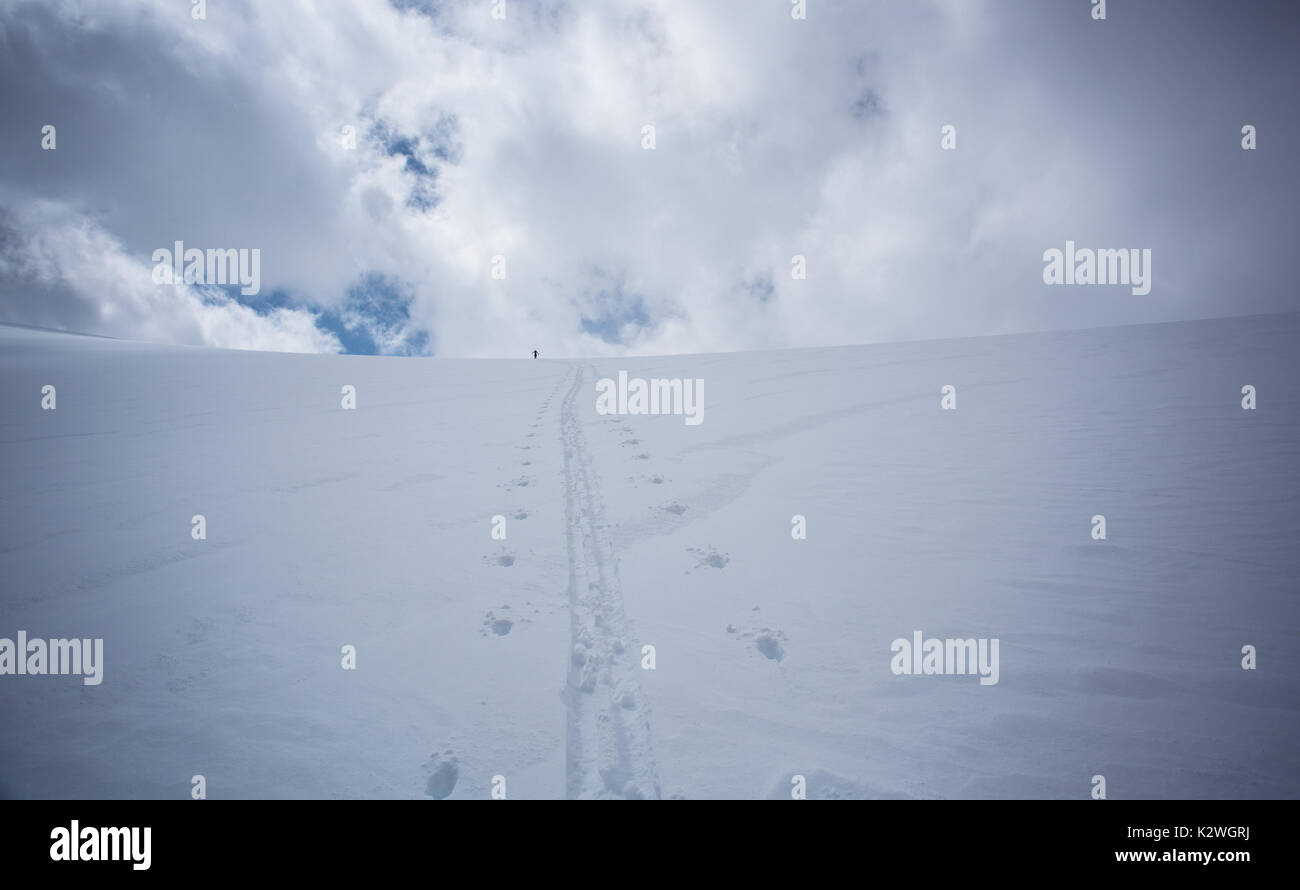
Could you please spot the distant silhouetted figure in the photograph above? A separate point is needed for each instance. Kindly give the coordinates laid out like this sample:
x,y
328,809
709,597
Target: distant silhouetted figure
x,y
534,353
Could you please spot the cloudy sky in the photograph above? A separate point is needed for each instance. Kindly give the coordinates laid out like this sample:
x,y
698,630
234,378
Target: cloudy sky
x,y
479,137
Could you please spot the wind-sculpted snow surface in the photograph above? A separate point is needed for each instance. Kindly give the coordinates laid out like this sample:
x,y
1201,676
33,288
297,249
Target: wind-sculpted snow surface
x,y
996,567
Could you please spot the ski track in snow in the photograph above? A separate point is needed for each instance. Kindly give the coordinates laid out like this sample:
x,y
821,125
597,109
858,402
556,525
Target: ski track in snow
x,y
608,751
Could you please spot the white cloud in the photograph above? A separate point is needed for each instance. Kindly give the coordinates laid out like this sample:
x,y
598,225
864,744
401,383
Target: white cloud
x,y
70,250
775,137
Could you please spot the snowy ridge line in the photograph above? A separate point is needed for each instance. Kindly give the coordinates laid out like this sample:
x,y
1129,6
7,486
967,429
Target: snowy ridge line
x,y
608,751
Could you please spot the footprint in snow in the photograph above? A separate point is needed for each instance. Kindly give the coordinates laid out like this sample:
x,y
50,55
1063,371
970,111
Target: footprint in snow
x,y
710,558
770,646
498,624
444,770
767,641
821,784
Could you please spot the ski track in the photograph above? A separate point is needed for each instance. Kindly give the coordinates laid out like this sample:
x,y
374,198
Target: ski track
x,y
608,751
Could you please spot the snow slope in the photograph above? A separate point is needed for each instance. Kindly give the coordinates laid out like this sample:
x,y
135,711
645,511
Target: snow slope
x,y
523,659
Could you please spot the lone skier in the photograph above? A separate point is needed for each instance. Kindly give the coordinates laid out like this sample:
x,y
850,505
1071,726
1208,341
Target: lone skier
x,y
534,353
